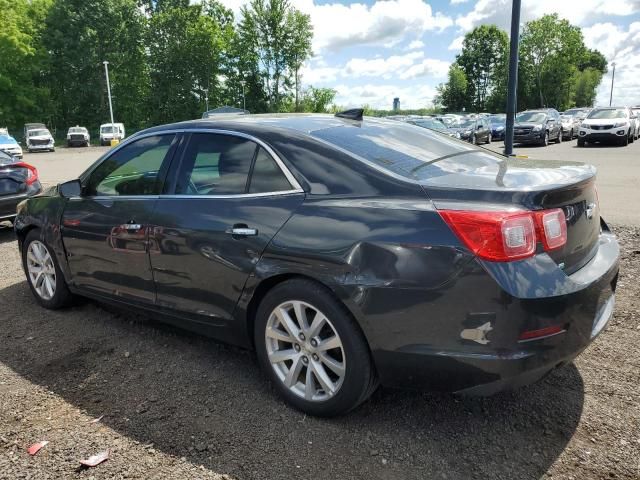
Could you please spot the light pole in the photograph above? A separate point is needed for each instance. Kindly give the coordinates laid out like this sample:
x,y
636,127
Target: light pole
x,y
244,102
513,77
106,74
613,76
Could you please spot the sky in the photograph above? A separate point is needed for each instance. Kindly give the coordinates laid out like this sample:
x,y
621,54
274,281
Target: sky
x,y
374,50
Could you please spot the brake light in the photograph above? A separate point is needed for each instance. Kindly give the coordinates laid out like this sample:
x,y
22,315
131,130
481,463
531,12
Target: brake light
x,y
494,236
32,172
540,333
552,225
507,236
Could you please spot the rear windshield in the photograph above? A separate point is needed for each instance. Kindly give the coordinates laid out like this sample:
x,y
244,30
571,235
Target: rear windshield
x,y
77,130
608,113
37,133
396,147
109,129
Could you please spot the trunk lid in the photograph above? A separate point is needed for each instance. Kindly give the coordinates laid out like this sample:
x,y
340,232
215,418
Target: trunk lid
x,y
13,179
479,180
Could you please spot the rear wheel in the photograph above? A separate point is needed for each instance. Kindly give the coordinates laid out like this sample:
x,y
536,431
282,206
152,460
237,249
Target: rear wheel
x,y
312,350
43,273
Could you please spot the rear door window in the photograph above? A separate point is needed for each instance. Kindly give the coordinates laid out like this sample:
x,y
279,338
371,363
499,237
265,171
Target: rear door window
x,y
267,176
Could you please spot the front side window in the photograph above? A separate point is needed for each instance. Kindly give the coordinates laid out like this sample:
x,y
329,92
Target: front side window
x,y
135,169
215,164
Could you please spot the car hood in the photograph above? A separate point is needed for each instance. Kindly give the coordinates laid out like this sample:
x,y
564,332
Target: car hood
x,y
600,121
9,145
527,124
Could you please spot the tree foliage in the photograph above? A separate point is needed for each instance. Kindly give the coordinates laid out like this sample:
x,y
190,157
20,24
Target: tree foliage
x,y
168,60
555,68
453,94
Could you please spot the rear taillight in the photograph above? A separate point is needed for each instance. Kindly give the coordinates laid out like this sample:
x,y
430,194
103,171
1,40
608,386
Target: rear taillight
x,y
506,236
552,228
32,172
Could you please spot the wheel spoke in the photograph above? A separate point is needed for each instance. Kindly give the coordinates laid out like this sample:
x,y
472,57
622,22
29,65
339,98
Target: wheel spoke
x,y
31,257
316,325
335,366
301,315
48,285
309,385
282,355
294,372
323,379
329,343
287,322
278,334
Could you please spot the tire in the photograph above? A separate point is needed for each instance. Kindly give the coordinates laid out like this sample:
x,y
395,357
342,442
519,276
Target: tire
x,y
625,141
559,139
581,142
545,140
61,297
474,141
358,380
488,139
571,135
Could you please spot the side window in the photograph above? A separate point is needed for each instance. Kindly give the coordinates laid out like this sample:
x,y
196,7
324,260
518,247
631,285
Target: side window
x,y
267,175
136,169
215,164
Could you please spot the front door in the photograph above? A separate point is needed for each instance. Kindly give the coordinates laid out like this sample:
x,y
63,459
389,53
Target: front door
x,y
230,198
105,231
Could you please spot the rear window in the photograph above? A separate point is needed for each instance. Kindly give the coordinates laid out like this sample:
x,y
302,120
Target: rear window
x,y
396,147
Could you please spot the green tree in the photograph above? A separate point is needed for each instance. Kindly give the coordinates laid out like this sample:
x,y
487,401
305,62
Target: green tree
x,y
318,100
24,96
79,36
277,39
483,59
452,96
188,46
586,84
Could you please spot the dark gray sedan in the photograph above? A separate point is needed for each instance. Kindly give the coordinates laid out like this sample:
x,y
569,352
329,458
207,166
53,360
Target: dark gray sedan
x,y
347,252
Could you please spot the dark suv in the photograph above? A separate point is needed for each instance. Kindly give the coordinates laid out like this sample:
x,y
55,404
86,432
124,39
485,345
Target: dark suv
x,y
538,127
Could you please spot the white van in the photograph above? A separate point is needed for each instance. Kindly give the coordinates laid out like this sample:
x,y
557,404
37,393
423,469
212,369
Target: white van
x,y
110,131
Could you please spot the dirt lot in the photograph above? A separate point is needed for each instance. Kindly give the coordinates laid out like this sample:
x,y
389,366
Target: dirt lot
x,y
175,405
179,406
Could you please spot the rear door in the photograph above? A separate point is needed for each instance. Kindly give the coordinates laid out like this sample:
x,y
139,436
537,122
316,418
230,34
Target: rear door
x,y
230,197
105,231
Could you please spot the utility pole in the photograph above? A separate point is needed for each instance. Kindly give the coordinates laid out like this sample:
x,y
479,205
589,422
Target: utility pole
x,y
106,73
244,102
613,76
513,77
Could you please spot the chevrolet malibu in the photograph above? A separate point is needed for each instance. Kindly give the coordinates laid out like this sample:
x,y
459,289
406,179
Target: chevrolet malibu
x,y
347,251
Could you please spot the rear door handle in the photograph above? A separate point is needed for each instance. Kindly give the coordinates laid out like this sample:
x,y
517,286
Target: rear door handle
x,y
243,231
132,226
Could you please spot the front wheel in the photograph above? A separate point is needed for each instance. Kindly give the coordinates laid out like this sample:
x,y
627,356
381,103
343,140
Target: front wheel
x,y
489,139
625,141
581,142
545,140
312,350
559,139
43,273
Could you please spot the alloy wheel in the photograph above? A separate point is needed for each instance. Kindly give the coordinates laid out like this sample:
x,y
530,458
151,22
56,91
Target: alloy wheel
x,y
42,271
305,351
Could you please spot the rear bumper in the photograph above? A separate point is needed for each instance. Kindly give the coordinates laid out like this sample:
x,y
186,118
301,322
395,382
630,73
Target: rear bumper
x,y
8,204
437,356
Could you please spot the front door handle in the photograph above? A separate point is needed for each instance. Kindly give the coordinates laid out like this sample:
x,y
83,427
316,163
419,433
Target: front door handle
x,y
132,226
242,231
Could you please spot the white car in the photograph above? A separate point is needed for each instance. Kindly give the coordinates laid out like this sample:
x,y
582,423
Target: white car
x,y
608,125
39,139
110,131
9,145
570,126
636,112
78,136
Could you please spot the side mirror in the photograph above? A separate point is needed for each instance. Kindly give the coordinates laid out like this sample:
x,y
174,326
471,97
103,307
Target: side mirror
x,y
72,188
479,127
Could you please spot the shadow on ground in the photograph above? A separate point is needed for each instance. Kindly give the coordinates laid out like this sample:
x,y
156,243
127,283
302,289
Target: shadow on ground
x,y
7,235
192,397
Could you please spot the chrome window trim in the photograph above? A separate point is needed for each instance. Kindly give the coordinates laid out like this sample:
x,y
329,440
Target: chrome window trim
x,y
138,136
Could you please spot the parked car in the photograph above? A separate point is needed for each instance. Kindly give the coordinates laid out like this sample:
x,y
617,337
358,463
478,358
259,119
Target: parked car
x,y
9,145
608,125
475,130
39,139
109,132
635,112
434,124
18,181
580,113
538,127
347,253
498,123
570,126
78,136
31,126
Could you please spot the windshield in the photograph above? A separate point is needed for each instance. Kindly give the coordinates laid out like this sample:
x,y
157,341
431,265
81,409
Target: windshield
x,y
109,129
467,123
7,139
531,117
608,113
37,133
77,130
498,119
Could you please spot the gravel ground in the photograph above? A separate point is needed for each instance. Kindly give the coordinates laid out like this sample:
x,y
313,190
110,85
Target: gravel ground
x,y
179,406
